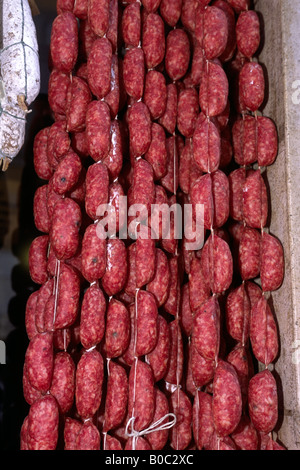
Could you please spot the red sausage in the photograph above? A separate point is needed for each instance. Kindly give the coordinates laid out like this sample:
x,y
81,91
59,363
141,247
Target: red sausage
x,y
175,365
156,154
181,433
93,254
139,122
206,329
113,96
172,303
131,24
230,48
58,143
236,183
211,30
80,9
206,145
187,111
43,424
144,259
177,54
88,437
188,13
99,67
239,5
249,253
186,314
116,396
202,369
30,310
117,331
263,401
64,231
255,200
159,285
98,16
267,141
170,11
213,92
244,138
92,317
227,399
68,297
88,383
158,439
141,398
272,263
252,86
114,159
203,425
238,314
248,33
67,173
134,72
64,42
98,126
58,86
97,186
146,323
37,259
155,93
153,40
168,119
158,358
245,435
78,98
40,159
63,381
39,361
115,275
217,264
263,333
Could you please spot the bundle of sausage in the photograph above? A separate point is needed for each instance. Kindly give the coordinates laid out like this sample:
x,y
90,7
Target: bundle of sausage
x,y
131,325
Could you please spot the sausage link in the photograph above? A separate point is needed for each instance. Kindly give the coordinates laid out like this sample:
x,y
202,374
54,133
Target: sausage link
x,y
92,317
68,298
115,275
98,16
131,24
37,259
252,86
141,397
203,424
249,253
206,329
158,439
217,263
263,332
206,145
213,92
88,383
67,173
272,263
93,254
63,381
117,331
158,358
238,310
181,433
43,424
263,401
153,40
64,42
98,127
155,93
248,33
178,53
97,186
159,285
64,231
146,323
227,399
40,159
116,397
39,361
134,72
156,154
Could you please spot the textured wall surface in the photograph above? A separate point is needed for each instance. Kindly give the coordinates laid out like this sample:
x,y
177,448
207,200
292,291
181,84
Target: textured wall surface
x,y
281,57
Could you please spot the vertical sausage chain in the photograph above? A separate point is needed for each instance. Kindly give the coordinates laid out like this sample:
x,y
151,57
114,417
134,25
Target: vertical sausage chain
x,y
141,337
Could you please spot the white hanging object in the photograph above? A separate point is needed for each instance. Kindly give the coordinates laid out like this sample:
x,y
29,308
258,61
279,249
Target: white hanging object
x,y
19,75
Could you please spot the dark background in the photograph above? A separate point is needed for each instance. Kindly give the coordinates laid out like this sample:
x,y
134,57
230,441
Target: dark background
x,y
17,187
